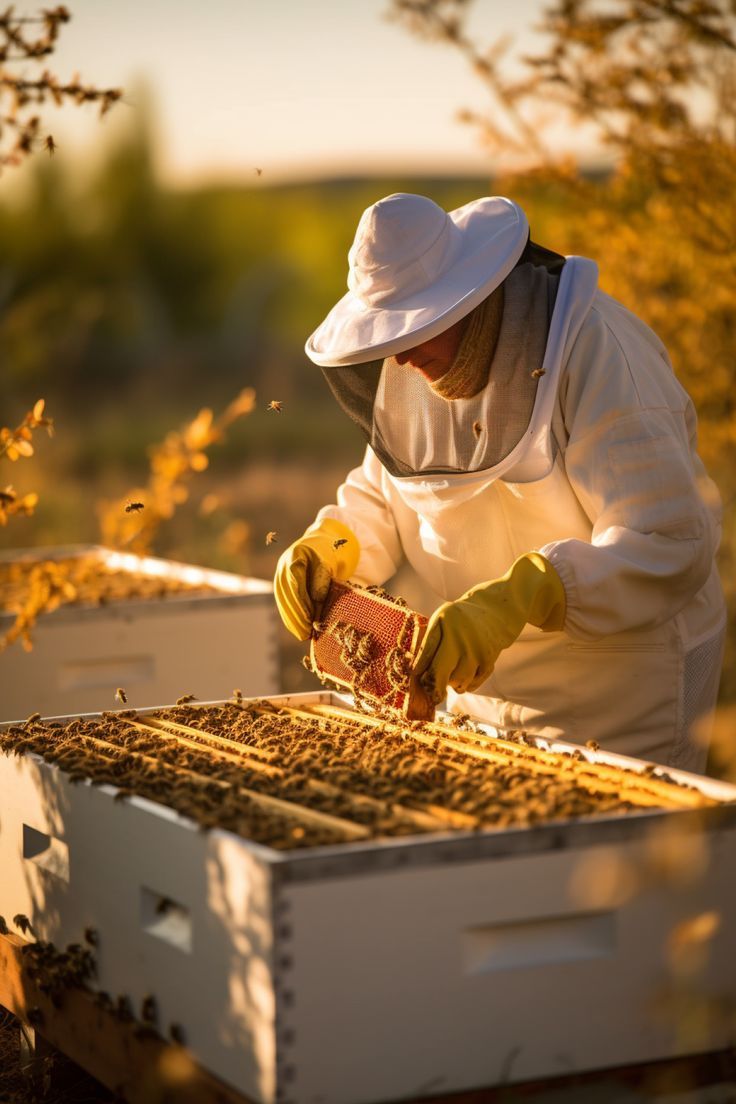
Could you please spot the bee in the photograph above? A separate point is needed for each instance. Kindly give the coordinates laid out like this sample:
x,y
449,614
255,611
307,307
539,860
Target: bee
x,y
537,372
123,1009
477,429
176,1034
49,144
23,923
339,542
7,496
121,695
3,926
33,718
592,745
185,699
258,172
133,507
35,1017
149,1010
237,695
271,537
91,937
275,405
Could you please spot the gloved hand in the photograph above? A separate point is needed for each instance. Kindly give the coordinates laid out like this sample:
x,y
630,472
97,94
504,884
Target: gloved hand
x,y
464,638
328,550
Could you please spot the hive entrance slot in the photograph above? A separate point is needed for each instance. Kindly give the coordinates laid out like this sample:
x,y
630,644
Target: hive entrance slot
x,y
89,674
548,939
46,852
166,919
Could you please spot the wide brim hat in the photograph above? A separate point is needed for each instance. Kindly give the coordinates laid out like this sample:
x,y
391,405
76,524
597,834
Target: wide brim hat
x,y
415,270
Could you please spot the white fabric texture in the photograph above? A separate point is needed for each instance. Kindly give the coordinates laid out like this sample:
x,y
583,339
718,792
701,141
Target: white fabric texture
x,y
608,486
415,270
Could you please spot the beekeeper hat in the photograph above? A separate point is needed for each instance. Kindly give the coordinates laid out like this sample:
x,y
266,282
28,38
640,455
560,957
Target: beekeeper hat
x,y
414,271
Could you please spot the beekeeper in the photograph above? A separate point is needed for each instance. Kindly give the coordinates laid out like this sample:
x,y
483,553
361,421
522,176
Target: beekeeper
x,y
532,456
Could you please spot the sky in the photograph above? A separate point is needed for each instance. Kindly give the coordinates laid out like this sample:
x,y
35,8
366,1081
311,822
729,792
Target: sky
x,y
295,88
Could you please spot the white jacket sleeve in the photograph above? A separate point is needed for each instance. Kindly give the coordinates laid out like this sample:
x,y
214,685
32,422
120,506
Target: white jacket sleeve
x,y
363,507
630,458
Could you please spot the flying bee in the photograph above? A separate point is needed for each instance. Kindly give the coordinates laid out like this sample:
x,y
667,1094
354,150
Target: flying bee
x,y
123,1008
477,429
121,695
339,542
271,537
537,372
133,507
23,923
257,171
7,496
49,144
275,405
176,1034
91,936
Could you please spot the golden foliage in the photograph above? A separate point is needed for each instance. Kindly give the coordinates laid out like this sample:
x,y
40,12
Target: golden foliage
x,y
180,455
14,445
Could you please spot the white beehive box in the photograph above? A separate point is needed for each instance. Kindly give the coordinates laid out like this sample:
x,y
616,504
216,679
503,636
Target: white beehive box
x,y
156,649
382,970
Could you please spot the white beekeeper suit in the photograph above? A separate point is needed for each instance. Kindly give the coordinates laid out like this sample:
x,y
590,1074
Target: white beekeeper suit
x,y
605,483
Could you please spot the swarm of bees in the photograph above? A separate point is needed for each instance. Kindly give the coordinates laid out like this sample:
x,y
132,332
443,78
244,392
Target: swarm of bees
x,y
336,778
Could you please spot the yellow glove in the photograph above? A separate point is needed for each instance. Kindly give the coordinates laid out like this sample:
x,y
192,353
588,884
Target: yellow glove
x,y
464,638
328,550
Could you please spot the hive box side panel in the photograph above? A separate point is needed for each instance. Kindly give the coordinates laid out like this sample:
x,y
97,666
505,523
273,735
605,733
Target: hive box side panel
x,y
407,984
156,653
181,915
